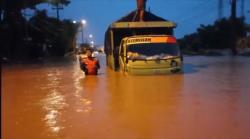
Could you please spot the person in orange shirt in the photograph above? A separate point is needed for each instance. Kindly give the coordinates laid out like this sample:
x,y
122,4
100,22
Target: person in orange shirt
x,y
89,64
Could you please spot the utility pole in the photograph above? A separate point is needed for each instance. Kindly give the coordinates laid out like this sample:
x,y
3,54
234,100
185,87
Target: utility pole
x,y
57,8
243,8
220,9
1,10
1,14
233,35
233,9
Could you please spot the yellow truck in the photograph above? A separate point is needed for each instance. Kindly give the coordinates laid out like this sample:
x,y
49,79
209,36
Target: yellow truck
x,y
120,30
144,34
150,54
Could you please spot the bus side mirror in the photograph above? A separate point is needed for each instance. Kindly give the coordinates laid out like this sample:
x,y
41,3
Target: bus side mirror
x,y
126,59
181,57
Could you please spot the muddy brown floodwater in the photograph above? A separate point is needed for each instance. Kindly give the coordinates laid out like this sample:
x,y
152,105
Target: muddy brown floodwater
x,y
211,100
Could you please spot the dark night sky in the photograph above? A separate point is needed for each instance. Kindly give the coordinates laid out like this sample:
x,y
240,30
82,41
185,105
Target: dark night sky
x,y
188,14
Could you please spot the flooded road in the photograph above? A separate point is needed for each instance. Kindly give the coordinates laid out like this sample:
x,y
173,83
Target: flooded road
x,y
211,100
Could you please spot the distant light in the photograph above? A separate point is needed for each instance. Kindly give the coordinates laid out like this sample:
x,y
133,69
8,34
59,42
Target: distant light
x,y
83,22
74,21
90,36
92,43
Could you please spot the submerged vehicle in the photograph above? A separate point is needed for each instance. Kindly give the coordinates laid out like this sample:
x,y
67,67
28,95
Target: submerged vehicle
x,y
138,25
150,54
120,30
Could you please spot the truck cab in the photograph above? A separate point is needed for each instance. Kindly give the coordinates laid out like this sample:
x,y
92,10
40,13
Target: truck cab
x,y
150,54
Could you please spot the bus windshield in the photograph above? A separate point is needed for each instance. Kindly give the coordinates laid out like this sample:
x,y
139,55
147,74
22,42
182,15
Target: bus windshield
x,y
153,51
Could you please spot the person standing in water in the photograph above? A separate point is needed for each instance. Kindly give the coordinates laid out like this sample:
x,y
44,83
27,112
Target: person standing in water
x,y
89,64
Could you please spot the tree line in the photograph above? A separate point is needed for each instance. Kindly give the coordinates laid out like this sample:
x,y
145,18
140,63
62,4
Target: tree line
x,y
223,34
38,36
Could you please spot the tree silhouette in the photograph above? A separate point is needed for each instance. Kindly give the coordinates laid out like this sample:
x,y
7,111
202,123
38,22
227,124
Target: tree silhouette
x,y
13,23
56,2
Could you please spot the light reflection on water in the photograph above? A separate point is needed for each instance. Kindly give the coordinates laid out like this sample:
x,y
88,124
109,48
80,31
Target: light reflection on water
x,y
54,102
210,100
52,105
83,104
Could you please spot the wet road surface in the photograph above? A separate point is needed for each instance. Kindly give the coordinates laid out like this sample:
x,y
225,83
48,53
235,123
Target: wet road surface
x,y
211,100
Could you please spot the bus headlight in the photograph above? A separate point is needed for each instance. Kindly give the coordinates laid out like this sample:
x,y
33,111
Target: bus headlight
x,y
174,63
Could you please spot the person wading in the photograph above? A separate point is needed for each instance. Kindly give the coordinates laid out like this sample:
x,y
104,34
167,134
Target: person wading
x,y
89,64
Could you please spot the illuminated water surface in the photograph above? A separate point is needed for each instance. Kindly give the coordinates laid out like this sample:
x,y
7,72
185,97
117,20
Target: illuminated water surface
x,y
56,101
